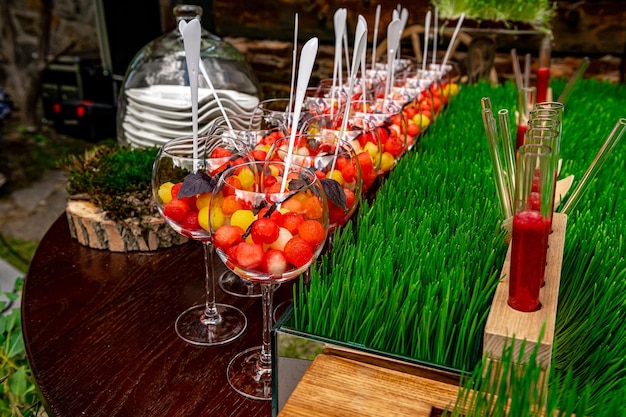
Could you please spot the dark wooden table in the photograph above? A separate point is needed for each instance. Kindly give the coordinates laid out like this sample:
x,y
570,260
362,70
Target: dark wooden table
x,y
99,333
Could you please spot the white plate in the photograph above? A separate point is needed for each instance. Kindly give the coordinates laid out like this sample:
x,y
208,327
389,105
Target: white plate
x,y
178,98
184,124
186,115
134,132
184,129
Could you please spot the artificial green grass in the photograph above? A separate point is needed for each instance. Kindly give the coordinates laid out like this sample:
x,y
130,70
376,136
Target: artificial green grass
x,y
413,275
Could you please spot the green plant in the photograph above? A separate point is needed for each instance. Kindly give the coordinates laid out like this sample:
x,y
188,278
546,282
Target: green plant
x,y
536,13
412,277
114,178
17,252
18,393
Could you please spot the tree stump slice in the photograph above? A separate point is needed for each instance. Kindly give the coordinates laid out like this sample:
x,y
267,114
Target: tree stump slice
x,y
90,227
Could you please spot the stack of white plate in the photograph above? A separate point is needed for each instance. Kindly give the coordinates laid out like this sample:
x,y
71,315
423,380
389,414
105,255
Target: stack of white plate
x,y
158,113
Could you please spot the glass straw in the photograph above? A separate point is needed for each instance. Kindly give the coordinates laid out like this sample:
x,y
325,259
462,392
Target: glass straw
x,y
567,91
492,140
508,151
604,152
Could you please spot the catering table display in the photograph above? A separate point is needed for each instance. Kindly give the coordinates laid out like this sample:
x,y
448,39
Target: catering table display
x,y
94,302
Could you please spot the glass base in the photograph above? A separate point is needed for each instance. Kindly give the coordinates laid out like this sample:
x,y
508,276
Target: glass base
x,y
233,284
247,378
280,309
191,329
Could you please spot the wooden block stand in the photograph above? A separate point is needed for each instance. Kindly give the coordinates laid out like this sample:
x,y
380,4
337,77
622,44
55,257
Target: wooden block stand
x,y
90,227
505,323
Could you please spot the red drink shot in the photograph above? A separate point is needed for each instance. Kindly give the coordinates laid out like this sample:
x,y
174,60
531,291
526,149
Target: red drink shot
x,y
521,135
527,260
543,78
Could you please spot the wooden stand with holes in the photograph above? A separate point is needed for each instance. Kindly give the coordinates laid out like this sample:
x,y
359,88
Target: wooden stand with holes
x,y
504,323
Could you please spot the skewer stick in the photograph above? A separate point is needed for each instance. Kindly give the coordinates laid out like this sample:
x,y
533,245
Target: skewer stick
x,y
527,71
294,56
517,71
436,27
375,38
426,33
453,40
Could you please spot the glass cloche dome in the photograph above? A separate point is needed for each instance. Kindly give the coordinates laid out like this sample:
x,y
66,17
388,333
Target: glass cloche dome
x,y
154,103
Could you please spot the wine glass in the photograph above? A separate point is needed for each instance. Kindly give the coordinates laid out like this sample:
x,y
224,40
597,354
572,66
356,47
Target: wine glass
x,y
336,165
183,174
334,162
276,234
259,137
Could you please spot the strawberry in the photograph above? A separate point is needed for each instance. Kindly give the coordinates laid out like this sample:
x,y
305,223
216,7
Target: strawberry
x,y
227,236
312,232
249,255
264,231
298,252
275,262
176,209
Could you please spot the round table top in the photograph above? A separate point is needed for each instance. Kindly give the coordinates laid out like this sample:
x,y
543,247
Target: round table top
x,y
99,332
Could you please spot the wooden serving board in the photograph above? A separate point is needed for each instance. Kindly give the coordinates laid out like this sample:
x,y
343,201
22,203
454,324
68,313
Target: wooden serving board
x,y
336,385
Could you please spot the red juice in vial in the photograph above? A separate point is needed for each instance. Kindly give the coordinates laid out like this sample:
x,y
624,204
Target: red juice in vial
x,y
543,79
527,260
521,135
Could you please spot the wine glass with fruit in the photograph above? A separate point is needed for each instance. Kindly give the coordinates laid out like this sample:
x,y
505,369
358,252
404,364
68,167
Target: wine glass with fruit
x,y
269,222
183,175
335,163
259,138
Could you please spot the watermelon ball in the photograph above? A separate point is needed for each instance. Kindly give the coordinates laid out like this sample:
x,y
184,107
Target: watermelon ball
x,y
298,251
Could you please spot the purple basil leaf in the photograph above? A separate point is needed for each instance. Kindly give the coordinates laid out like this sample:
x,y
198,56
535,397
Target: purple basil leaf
x,y
334,192
196,183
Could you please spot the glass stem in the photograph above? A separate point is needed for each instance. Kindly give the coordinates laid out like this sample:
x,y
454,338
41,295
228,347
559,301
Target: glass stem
x,y
211,315
267,294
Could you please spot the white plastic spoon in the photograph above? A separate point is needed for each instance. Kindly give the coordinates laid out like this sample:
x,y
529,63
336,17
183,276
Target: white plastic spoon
x,y
393,38
305,67
191,42
360,40
452,40
404,17
197,35
339,20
